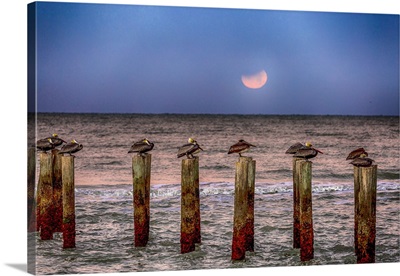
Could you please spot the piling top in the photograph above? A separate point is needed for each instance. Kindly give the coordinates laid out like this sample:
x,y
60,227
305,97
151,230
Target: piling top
x,y
245,159
302,160
66,157
190,160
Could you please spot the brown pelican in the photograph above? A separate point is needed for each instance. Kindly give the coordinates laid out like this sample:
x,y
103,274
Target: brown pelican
x,y
45,144
71,147
192,147
362,161
294,148
307,152
356,153
141,146
57,141
240,147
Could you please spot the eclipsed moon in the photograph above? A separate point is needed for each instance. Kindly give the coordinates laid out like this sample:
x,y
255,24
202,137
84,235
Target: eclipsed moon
x,y
255,81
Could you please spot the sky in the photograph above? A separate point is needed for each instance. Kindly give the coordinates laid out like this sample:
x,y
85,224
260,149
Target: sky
x,y
122,58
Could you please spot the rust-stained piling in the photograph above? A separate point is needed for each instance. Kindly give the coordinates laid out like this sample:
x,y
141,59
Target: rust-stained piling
x,y
141,171
356,205
197,222
31,204
296,206
243,218
57,191
45,197
304,170
365,217
68,195
190,205
250,205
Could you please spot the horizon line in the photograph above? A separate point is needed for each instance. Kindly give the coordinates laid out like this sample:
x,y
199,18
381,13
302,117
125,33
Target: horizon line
x,y
225,114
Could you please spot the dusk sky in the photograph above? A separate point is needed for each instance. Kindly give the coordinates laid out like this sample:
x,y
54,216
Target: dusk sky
x,y
149,59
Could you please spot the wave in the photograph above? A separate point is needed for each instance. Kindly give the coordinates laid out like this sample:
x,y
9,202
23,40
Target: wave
x,y
124,192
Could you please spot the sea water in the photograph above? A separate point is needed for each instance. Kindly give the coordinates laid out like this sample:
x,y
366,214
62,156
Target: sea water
x,y
104,199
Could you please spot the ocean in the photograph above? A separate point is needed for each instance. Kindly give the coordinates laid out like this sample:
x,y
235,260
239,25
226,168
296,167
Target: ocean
x,y
104,199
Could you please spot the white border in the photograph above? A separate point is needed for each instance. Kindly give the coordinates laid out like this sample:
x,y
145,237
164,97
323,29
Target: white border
x,y
13,57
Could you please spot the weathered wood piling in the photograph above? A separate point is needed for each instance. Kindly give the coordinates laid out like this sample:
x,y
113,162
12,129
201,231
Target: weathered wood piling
x,y
57,191
45,210
243,218
190,205
356,205
68,195
296,206
141,171
31,203
365,183
304,171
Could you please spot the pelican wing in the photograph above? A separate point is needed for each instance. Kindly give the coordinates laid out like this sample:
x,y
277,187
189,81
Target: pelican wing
x,y
239,147
141,147
70,148
356,153
294,148
78,148
362,162
58,141
186,149
44,144
306,152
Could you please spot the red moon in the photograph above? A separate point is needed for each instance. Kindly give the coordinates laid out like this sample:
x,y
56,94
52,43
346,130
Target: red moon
x,y
255,81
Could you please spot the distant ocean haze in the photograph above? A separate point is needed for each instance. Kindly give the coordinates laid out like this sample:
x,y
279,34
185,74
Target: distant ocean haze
x,y
106,140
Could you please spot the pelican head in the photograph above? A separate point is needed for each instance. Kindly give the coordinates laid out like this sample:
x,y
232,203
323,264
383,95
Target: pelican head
x,y
146,141
191,140
363,155
308,144
55,135
51,142
74,141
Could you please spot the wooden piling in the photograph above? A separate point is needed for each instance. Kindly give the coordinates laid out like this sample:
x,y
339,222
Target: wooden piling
x,y
45,197
356,206
31,204
304,168
57,191
141,171
250,205
243,218
68,195
366,214
197,221
190,205
296,206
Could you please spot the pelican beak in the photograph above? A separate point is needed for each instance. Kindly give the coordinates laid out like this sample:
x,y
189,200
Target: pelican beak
x,y
319,151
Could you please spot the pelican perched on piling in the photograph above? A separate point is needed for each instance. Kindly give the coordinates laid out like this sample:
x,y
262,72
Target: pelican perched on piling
x,y
356,153
294,148
45,144
362,161
141,147
71,147
57,141
307,152
240,147
192,147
